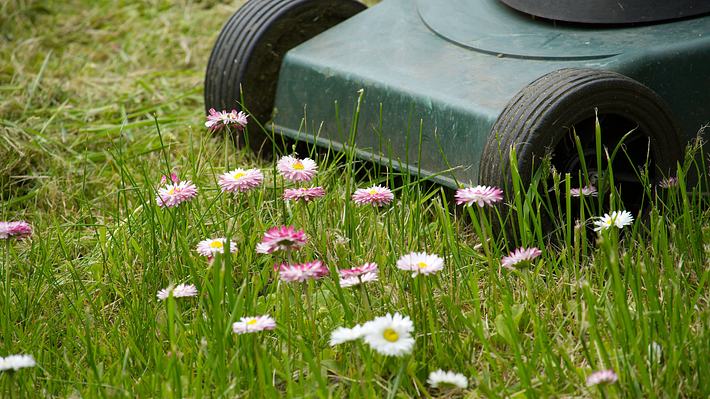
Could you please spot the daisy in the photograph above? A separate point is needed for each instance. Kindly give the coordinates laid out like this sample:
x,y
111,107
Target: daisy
x,y
617,219
343,334
360,270
253,324
18,230
375,196
213,246
668,182
301,272
481,195
305,194
240,180
181,291
295,170
602,377
346,282
441,377
420,263
587,191
284,238
655,352
217,120
520,257
175,194
16,362
390,335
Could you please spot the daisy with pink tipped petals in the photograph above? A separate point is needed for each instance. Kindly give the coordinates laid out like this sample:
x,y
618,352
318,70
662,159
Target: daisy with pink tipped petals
x,y
420,263
587,191
296,170
284,238
668,182
213,246
217,120
254,324
360,270
180,291
602,377
303,194
481,195
175,194
301,272
346,282
240,180
375,196
19,230
521,257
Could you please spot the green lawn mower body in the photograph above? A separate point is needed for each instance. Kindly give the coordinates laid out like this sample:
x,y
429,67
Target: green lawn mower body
x,y
449,86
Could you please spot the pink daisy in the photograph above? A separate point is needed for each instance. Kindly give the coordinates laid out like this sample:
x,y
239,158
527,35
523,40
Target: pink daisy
x,y
356,280
420,263
305,194
668,182
240,180
296,170
180,291
254,324
301,272
587,191
360,270
375,195
174,194
217,120
18,230
284,238
520,257
602,377
481,195
213,246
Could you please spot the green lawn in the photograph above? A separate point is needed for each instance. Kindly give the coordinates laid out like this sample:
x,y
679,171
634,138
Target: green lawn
x,y
99,99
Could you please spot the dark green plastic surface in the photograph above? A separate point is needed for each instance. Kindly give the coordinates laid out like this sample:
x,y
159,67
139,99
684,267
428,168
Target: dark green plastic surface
x,y
454,64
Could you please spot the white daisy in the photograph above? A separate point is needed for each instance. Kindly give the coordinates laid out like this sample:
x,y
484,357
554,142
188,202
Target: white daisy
x,y
254,324
181,291
355,280
440,377
420,263
390,335
16,362
617,219
343,334
213,246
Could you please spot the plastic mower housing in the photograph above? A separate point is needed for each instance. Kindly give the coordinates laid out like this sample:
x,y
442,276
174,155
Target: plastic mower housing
x,y
449,86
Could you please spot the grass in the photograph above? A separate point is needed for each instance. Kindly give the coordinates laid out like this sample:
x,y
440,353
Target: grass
x,y
100,99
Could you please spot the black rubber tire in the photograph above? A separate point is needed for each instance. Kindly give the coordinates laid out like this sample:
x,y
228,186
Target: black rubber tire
x,y
251,45
541,114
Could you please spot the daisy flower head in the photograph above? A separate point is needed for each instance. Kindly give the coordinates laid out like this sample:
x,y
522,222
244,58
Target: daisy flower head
x,y
520,257
213,246
217,120
587,191
481,195
180,291
175,194
284,238
375,196
16,362
617,219
253,324
420,263
668,182
440,378
19,230
346,282
304,194
344,334
240,180
390,335
296,170
602,377
301,272
360,270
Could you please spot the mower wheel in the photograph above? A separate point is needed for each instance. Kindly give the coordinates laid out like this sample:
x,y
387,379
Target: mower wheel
x,y
541,119
245,60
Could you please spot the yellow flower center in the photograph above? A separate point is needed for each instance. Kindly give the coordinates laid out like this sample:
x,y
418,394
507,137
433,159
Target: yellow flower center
x,y
298,165
390,335
216,244
422,265
251,322
171,191
372,191
238,175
